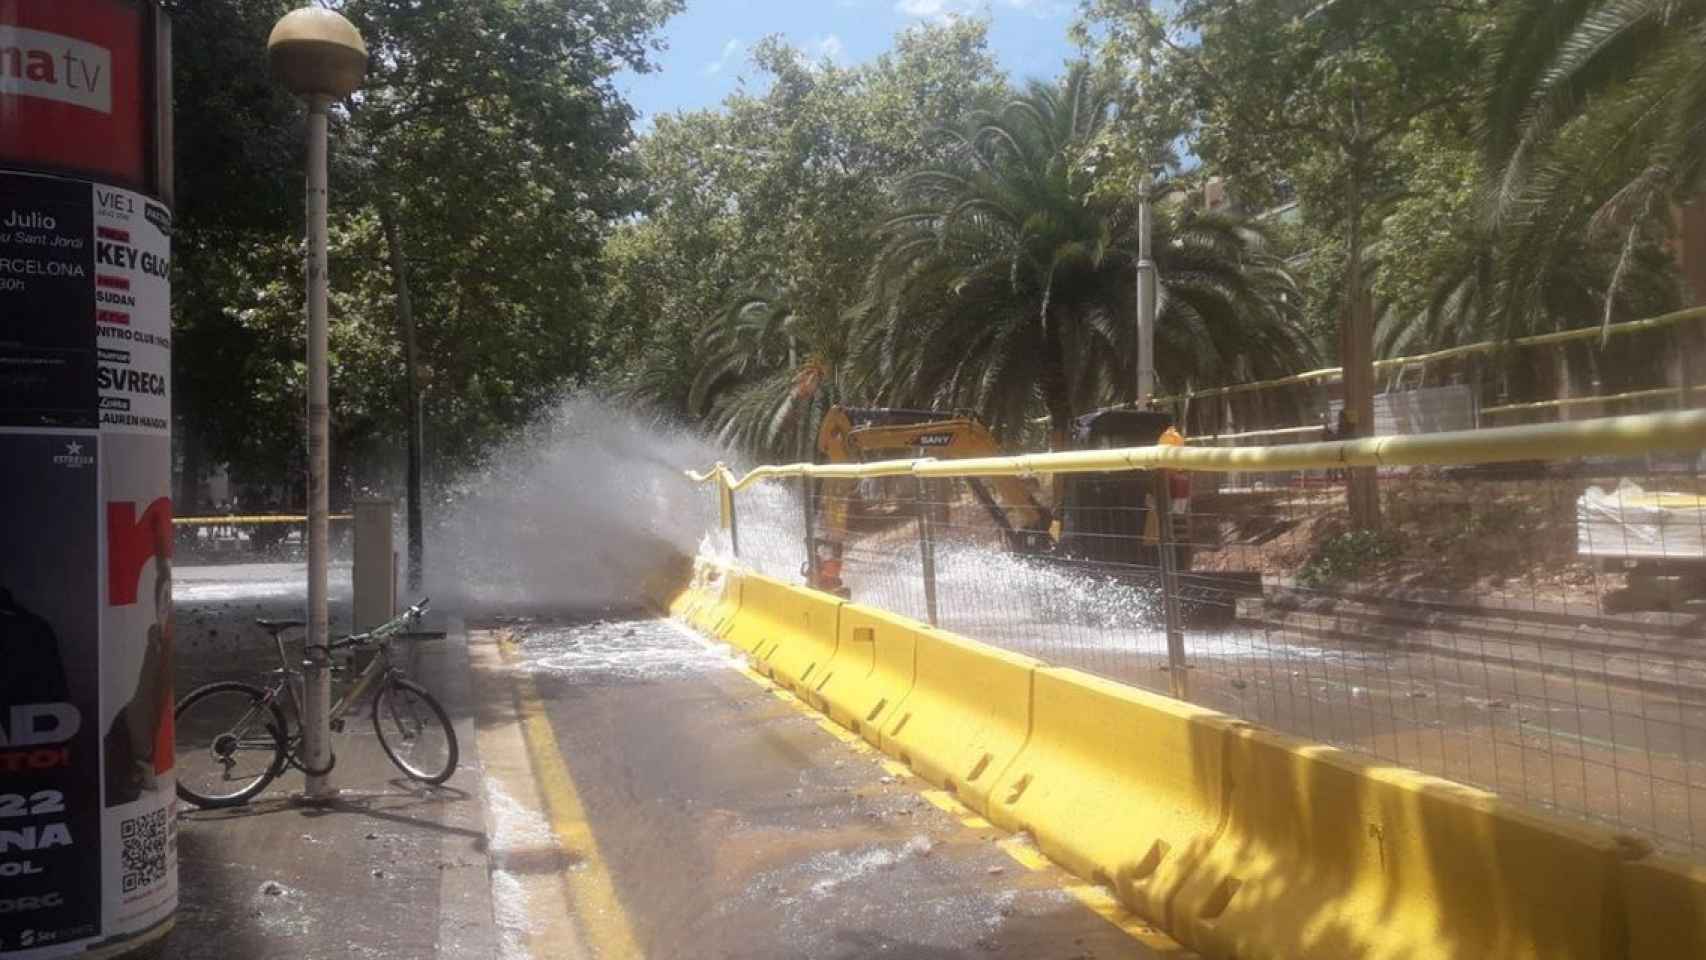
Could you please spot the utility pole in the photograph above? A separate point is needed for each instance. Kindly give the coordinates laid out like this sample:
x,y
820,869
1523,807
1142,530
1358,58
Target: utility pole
x,y
1145,228
320,57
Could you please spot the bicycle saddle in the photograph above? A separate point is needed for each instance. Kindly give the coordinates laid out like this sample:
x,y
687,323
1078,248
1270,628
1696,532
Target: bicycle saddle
x,y
274,626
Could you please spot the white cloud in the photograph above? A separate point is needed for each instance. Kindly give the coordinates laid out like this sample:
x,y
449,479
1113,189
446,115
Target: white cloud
x,y
930,8
1041,9
729,50
948,9
831,48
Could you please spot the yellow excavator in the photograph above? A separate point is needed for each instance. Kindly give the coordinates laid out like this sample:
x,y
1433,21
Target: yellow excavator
x,y
1103,524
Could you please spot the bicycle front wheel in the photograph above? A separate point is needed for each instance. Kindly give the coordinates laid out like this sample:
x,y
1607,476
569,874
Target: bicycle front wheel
x,y
229,743
415,731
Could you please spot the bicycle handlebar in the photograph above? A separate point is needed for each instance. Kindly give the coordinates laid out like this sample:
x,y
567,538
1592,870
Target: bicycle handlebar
x,y
394,625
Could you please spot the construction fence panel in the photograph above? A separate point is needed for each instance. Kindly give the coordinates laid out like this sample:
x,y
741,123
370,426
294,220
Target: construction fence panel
x,y
1534,627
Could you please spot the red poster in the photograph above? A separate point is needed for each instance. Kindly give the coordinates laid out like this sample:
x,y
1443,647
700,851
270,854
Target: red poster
x,y
72,88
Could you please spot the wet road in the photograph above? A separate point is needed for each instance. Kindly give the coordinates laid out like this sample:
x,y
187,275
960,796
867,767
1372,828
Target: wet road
x,y
663,802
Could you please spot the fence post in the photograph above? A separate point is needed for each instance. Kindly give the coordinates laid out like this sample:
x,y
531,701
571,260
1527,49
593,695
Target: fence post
x,y
1177,672
810,566
926,548
726,500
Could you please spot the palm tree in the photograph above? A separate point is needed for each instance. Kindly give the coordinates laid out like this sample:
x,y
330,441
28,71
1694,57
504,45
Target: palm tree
x,y
768,369
1592,124
1007,284
1575,290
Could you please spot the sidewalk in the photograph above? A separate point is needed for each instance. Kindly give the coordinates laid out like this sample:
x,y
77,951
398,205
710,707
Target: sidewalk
x,y
391,870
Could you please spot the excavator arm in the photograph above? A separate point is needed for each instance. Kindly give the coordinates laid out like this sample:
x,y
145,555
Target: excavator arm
x,y
850,435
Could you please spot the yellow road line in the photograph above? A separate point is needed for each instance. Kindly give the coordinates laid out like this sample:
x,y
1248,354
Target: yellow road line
x,y
1102,903
1021,851
596,907
943,801
845,735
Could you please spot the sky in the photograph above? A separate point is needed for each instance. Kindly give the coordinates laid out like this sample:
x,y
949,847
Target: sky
x,y
709,42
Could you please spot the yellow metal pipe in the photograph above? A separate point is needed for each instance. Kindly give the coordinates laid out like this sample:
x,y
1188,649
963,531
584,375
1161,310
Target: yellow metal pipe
x,y
1606,436
1485,346
1581,401
257,518
1275,432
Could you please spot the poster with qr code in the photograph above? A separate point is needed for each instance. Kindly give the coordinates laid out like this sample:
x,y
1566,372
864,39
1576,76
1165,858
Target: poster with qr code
x,y
88,837
139,828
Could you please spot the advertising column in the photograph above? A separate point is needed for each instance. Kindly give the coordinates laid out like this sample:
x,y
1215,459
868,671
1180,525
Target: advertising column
x,y
88,856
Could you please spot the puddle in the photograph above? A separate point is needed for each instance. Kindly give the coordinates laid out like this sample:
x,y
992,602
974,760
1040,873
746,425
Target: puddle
x,y
630,650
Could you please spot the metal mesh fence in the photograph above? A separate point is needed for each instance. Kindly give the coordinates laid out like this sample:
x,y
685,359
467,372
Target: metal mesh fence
x,y
1533,629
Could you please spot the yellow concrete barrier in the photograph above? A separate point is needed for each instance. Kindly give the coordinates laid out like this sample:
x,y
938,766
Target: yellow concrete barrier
x,y
1118,785
873,670
1242,843
967,717
687,601
702,589
1324,856
763,602
1667,907
790,634
720,601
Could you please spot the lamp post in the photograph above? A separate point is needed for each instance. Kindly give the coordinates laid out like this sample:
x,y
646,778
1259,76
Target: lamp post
x,y
320,57
1145,228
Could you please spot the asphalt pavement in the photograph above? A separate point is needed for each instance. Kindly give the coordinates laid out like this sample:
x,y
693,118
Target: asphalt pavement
x,y
391,870
627,789
710,815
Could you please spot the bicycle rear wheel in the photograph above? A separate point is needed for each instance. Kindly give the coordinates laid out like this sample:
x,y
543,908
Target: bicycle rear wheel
x,y
229,743
415,731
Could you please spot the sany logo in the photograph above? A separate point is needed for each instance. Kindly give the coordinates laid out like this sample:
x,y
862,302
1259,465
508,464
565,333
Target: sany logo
x,y
54,67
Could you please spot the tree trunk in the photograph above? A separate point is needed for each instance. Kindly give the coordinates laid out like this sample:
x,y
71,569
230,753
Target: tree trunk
x,y
189,480
1052,379
1688,359
411,391
1356,350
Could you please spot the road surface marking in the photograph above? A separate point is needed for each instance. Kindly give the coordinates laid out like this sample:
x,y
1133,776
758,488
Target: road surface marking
x,y
897,770
596,907
1020,849
845,735
1102,903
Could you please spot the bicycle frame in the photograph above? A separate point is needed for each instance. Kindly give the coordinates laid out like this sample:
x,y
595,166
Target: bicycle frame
x,y
378,666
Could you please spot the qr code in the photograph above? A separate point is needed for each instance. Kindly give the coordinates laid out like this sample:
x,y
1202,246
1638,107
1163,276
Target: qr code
x,y
146,840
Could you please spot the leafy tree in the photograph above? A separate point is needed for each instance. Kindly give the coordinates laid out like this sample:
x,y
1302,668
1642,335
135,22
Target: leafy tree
x,y
769,371
1635,66
774,194
1592,139
1008,280
1319,95
484,162
238,170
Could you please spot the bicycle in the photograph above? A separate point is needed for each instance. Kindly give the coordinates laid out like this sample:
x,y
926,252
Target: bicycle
x,y
243,737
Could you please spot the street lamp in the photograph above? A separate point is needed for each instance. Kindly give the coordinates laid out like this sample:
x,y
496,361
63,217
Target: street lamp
x,y
1145,228
319,56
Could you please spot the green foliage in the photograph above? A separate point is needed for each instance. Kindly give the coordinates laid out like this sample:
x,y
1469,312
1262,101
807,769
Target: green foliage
x,y
1007,281
492,132
773,195
1591,133
913,230
768,372
1348,557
